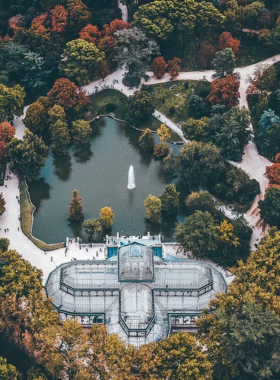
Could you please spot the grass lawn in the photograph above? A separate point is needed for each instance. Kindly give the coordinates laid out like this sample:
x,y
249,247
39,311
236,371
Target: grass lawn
x,y
26,219
107,101
164,97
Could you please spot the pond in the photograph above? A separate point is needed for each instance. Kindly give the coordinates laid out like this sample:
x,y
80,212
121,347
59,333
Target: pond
x,y
100,173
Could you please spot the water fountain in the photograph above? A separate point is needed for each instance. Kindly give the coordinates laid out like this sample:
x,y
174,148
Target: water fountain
x,y
131,180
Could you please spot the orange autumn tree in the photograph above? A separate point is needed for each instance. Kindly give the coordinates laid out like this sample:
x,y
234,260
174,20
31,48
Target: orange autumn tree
x,y
59,18
7,132
174,67
159,67
273,172
79,15
66,94
206,55
227,41
225,91
114,26
90,33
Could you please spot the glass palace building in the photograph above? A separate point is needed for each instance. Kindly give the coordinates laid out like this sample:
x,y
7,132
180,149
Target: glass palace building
x,y
135,292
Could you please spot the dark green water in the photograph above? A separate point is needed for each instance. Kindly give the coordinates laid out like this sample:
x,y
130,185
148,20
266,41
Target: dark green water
x,y
100,173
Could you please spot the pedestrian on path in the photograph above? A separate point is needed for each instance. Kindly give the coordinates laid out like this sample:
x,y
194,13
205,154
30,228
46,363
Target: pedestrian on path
x,y
51,258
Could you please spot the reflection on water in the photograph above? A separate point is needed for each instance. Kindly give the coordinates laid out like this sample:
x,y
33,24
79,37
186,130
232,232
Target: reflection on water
x,y
99,172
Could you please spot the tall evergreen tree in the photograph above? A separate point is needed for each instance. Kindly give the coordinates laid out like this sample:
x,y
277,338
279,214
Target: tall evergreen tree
x,y
75,211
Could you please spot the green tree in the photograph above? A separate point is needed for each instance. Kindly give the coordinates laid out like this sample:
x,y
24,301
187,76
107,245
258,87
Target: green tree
x,y
36,374
177,19
198,234
75,211
106,216
81,131
36,118
196,129
232,132
169,200
81,60
224,63
2,205
275,36
270,206
200,163
11,102
34,72
153,209
27,156
139,107
8,371
200,201
60,138
4,244
147,141
94,229
169,163
135,50
56,113
180,357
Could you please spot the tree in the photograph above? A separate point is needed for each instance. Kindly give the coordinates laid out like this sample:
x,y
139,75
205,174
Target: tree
x,y
59,18
198,106
114,26
169,163
153,209
2,205
134,50
66,94
139,107
108,356
198,234
161,150
169,200
27,156
35,374
225,91
94,229
8,371
62,348
275,36
36,118
35,74
4,244
81,131
177,357
90,33
79,15
174,67
263,79
273,172
60,138
11,102
81,60
227,41
75,211
226,234
106,216
159,67
196,129
224,63
232,132
200,163
147,141
206,55
164,19
270,206
7,132
200,201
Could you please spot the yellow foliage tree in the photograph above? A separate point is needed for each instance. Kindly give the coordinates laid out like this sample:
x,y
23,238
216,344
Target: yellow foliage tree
x,y
227,235
106,216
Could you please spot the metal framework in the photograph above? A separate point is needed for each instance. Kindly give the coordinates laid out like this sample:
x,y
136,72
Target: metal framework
x,y
136,294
